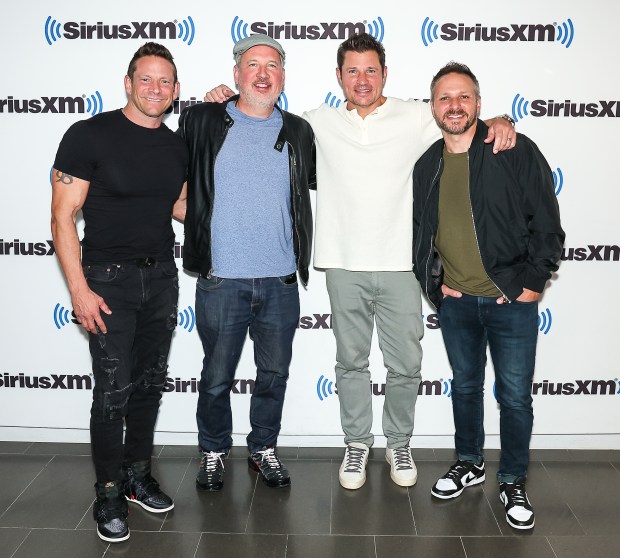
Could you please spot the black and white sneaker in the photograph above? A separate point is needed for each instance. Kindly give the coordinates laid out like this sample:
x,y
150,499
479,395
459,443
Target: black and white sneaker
x,y
461,475
270,468
519,511
211,471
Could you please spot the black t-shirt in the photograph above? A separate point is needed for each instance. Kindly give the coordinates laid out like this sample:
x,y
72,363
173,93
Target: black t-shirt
x,y
135,176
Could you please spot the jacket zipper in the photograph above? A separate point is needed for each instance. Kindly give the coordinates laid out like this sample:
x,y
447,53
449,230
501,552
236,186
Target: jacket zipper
x,y
210,272
429,260
471,212
294,192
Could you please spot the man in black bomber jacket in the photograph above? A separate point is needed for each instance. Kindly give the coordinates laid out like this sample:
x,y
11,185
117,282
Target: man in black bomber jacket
x,y
487,237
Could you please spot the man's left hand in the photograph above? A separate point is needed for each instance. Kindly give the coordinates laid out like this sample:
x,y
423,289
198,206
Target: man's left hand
x,y
502,134
525,296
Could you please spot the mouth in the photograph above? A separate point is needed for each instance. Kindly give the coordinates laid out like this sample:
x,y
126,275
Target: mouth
x,y
262,85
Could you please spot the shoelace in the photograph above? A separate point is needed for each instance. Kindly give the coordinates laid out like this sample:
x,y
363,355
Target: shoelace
x,y
269,455
458,470
355,459
516,494
210,461
402,459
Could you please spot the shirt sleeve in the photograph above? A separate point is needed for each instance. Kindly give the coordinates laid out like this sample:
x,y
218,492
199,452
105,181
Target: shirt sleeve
x,y
76,153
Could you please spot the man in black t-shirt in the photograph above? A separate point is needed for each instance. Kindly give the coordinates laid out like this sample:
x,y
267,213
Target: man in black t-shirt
x,y
125,171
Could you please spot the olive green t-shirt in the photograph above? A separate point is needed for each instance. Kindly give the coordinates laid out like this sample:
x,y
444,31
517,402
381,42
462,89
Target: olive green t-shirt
x,y
456,237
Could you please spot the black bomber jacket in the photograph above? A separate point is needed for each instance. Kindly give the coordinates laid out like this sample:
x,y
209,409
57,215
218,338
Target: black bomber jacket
x,y
204,127
514,209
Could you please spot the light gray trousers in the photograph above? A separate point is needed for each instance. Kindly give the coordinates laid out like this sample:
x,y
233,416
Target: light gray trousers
x,y
392,299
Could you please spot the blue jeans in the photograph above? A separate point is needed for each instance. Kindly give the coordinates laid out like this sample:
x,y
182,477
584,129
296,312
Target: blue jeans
x,y
130,360
511,330
226,309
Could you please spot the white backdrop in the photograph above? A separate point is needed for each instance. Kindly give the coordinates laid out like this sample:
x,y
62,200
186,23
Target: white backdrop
x,y
546,63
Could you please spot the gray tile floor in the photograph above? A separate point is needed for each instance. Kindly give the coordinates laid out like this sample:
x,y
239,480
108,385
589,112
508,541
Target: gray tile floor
x,y
46,498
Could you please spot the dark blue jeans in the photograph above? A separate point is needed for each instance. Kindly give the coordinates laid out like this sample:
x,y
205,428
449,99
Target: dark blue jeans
x,y
226,310
130,360
511,331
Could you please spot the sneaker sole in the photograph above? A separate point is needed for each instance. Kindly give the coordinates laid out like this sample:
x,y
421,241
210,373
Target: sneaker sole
x,y
513,525
271,484
401,482
398,481
209,487
148,508
444,496
349,485
110,539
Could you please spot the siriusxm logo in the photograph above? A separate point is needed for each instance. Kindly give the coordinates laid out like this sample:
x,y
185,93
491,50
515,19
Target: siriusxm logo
x,y
325,387
239,29
562,33
239,387
521,108
53,381
316,321
332,100
92,104
558,181
184,30
61,316
592,253
544,321
186,318
578,387
179,105
18,248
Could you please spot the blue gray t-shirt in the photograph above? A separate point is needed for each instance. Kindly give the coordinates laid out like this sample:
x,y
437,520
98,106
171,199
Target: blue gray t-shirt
x,y
251,225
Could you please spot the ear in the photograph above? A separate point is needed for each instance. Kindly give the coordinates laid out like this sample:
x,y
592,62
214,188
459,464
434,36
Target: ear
x,y
177,89
128,86
339,76
235,74
385,72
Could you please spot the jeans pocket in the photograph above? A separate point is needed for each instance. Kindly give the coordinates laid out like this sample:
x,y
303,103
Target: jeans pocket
x,y
209,284
168,269
107,273
288,280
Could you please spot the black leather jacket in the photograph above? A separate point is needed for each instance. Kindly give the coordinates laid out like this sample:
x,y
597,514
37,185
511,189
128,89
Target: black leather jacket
x,y
204,128
514,209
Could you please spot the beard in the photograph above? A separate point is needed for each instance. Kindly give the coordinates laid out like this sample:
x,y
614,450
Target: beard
x,y
257,99
454,128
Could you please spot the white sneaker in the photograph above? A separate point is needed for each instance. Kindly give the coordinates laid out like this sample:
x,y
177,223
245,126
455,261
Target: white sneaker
x,y
352,474
403,470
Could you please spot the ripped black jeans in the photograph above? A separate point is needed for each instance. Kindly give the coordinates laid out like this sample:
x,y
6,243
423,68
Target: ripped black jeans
x,y
130,360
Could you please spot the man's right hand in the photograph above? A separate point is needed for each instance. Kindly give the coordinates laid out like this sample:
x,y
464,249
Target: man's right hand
x,y
86,305
447,291
219,94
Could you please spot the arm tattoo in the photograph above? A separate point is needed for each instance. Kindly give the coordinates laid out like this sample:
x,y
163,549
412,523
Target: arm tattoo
x,y
63,178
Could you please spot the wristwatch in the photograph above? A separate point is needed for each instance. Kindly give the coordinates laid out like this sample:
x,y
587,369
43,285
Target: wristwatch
x,y
509,118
